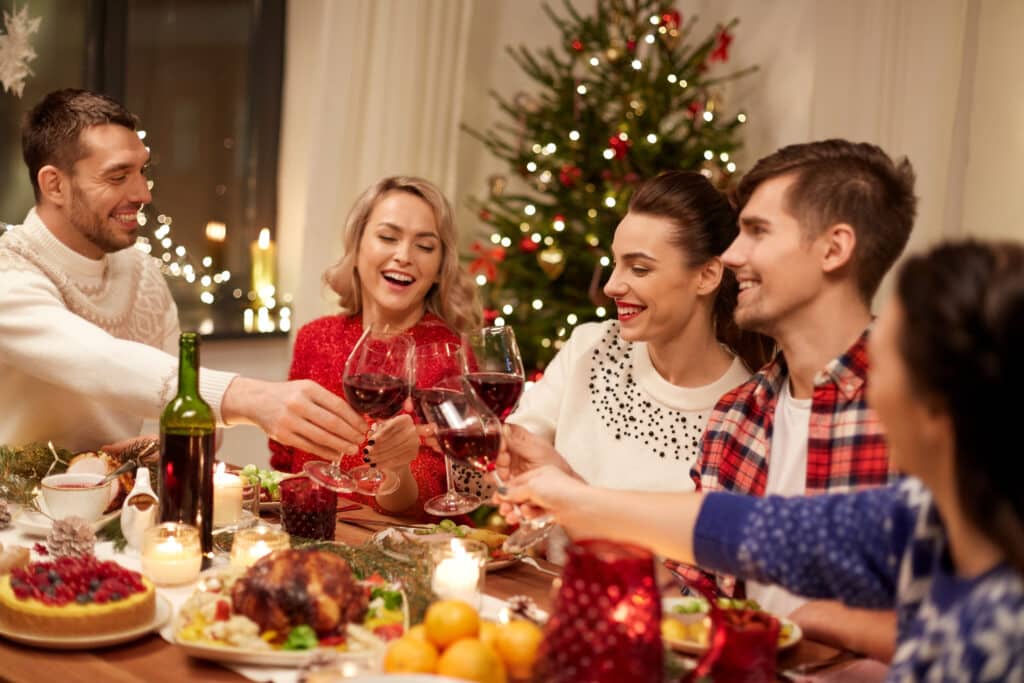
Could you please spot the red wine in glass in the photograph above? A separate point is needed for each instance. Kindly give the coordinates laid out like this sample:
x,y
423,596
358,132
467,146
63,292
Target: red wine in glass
x,y
499,390
431,397
375,395
376,381
476,447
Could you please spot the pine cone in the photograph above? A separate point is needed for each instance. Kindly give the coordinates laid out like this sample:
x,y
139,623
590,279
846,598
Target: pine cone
x,y
5,515
71,537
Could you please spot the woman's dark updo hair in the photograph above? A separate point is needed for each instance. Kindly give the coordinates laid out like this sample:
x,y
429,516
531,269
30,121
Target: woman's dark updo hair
x,y
963,344
704,225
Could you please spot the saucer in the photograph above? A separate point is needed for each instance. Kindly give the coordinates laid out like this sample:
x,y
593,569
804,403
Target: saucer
x,y
33,523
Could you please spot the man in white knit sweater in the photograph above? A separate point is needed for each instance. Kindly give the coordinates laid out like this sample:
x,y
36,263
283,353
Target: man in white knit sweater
x,y
88,328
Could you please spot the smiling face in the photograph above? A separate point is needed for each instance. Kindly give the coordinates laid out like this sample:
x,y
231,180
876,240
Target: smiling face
x,y
106,189
399,258
655,292
778,268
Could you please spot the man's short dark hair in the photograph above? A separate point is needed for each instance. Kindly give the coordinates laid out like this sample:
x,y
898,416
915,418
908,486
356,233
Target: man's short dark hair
x,y
51,132
837,181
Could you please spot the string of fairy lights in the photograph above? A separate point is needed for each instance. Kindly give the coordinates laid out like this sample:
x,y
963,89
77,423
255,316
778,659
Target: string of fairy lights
x,y
551,156
209,281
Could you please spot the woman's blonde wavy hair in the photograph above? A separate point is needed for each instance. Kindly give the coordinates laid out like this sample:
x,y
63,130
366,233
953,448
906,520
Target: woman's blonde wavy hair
x,y
453,298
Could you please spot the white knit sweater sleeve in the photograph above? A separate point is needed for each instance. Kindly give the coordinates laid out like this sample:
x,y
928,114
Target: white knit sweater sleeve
x,y
540,407
42,337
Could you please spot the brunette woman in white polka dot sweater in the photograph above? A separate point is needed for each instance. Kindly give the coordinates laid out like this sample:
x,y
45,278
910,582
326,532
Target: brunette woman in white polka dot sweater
x,y
946,546
625,402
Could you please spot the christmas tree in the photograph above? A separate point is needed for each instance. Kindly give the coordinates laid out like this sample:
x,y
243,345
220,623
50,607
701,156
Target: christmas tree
x,y
628,95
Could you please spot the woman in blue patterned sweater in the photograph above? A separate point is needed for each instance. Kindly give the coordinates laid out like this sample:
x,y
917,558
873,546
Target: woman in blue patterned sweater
x,y
946,546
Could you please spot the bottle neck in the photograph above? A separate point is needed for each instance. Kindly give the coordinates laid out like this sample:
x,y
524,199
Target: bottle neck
x,y
188,366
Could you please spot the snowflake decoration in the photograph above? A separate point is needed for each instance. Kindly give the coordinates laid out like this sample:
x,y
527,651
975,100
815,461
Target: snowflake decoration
x,y
15,49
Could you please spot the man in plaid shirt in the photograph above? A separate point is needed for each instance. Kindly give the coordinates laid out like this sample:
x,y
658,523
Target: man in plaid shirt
x,y
820,225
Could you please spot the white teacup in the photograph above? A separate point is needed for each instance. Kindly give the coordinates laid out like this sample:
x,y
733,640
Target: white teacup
x,y
75,495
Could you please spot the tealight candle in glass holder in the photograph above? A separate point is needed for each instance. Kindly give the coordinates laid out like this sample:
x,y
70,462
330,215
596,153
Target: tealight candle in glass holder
x,y
459,570
252,544
227,497
171,554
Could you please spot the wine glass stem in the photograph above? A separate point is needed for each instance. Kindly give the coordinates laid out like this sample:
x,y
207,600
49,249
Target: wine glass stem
x,y
449,474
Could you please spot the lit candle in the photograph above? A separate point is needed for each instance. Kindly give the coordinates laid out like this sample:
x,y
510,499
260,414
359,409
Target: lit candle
x,y
263,266
248,318
216,233
227,497
171,554
250,545
459,570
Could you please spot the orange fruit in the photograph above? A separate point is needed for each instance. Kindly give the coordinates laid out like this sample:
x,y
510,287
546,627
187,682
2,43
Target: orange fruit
x,y
517,643
410,655
489,634
448,620
419,632
471,660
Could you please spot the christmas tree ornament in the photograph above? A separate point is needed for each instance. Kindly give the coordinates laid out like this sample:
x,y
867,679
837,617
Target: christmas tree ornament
x,y
569,175
16,51
71,537
671,19
619,146
577,45
552,261
528,246
496,184
5,514
487,260
721,51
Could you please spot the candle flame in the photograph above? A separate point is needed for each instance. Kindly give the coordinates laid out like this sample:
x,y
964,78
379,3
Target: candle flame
x,y
171,545
264,239
216,231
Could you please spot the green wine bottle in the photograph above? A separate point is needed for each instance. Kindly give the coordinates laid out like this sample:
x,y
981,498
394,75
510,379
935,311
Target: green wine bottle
x,y
186,450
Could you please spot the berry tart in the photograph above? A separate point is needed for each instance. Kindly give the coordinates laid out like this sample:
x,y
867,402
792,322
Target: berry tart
x,y
75,596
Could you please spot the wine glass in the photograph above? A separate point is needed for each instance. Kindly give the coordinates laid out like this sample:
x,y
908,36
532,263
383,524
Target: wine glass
x,y
376,381
494,368
469,432
436,364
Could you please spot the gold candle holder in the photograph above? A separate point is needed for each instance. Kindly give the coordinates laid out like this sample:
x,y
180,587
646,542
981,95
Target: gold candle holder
x,y
253,543
171,554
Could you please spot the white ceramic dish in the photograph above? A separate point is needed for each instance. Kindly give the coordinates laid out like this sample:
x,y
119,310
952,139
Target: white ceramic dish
x,y
163,613
32,523
693,647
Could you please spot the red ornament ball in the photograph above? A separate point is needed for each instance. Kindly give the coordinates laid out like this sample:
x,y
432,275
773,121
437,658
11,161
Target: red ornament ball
x,y
569,175
619,146
672,19
577,45
528,245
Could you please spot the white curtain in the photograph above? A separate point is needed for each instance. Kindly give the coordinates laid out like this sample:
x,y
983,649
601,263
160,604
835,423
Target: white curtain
x,y
372,88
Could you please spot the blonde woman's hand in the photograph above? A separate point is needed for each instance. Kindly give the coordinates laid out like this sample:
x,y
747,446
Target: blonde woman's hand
x,y
392,444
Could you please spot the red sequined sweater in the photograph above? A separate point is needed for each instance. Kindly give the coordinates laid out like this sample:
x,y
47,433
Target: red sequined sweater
x,y
321,349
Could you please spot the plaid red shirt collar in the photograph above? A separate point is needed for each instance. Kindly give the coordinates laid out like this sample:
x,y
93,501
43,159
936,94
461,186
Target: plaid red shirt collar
x,y
846,447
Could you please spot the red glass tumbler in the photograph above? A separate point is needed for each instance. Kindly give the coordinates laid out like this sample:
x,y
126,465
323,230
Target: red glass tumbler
x,y
606,618
743,642
308,509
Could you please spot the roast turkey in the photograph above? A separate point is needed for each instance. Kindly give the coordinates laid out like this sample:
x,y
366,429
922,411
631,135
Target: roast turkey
x,y
292,587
